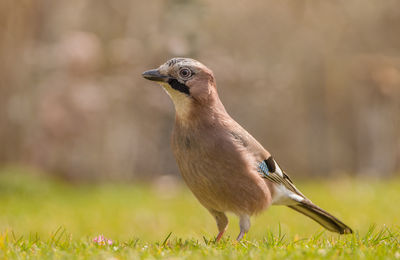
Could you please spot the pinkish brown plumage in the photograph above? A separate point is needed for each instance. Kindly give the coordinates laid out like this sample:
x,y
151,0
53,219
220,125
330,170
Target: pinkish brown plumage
x,y
222,164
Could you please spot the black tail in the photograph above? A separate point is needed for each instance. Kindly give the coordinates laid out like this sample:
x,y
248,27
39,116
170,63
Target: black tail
x,y
322,217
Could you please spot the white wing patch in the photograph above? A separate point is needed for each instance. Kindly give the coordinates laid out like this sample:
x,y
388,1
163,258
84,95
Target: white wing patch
x,y
283,196
278,170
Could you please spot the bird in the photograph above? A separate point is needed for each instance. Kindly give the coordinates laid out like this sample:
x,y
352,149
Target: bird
x,y
225,167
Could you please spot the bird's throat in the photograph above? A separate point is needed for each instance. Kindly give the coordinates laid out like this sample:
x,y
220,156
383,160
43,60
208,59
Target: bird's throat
x,y
182,102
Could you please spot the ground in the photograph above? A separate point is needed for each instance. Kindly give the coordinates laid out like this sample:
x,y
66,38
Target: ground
x,y
42,218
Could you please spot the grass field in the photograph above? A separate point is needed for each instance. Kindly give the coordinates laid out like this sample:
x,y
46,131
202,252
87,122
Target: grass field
x,y
42,218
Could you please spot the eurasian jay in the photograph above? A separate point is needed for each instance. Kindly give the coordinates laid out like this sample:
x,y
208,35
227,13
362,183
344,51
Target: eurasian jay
x,y
224,166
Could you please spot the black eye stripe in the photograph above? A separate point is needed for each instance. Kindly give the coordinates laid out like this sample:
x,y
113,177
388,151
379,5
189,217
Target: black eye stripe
x,y
175,84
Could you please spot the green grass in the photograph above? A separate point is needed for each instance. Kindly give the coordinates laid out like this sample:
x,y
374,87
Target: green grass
x,y
42,218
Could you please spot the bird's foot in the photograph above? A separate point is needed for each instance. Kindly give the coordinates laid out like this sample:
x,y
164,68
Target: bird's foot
x,y
240,236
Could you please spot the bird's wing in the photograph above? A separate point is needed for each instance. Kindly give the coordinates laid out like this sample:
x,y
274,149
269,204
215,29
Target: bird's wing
x,y
271,171
267,167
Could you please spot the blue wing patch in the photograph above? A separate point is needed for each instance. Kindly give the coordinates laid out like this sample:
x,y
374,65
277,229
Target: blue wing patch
x,y
263,168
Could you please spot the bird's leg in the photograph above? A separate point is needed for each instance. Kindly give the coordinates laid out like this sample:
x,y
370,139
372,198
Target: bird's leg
x,y
222,222
244,224
219,236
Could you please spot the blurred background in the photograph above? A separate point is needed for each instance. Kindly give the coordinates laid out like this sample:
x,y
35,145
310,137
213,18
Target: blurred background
x,y
85,140
316,82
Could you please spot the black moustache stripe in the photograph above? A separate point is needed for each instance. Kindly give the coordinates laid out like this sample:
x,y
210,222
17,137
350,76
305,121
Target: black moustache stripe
x,y
179,86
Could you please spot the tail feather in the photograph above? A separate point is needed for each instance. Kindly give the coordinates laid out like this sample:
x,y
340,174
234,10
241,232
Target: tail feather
x,y
322,217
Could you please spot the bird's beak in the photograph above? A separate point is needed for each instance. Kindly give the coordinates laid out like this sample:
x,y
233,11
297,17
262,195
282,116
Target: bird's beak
x,y
154,75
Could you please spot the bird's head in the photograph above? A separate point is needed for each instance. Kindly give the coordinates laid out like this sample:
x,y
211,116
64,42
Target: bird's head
x,y
188,82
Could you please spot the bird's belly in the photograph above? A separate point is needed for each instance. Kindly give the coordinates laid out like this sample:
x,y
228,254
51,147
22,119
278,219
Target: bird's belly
x,y
224,187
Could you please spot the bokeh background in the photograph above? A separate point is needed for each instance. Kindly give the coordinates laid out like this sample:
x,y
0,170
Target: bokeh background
x,y
316,82
85,140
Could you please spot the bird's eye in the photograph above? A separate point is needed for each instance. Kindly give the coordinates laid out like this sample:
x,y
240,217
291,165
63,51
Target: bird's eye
x,y
185,73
